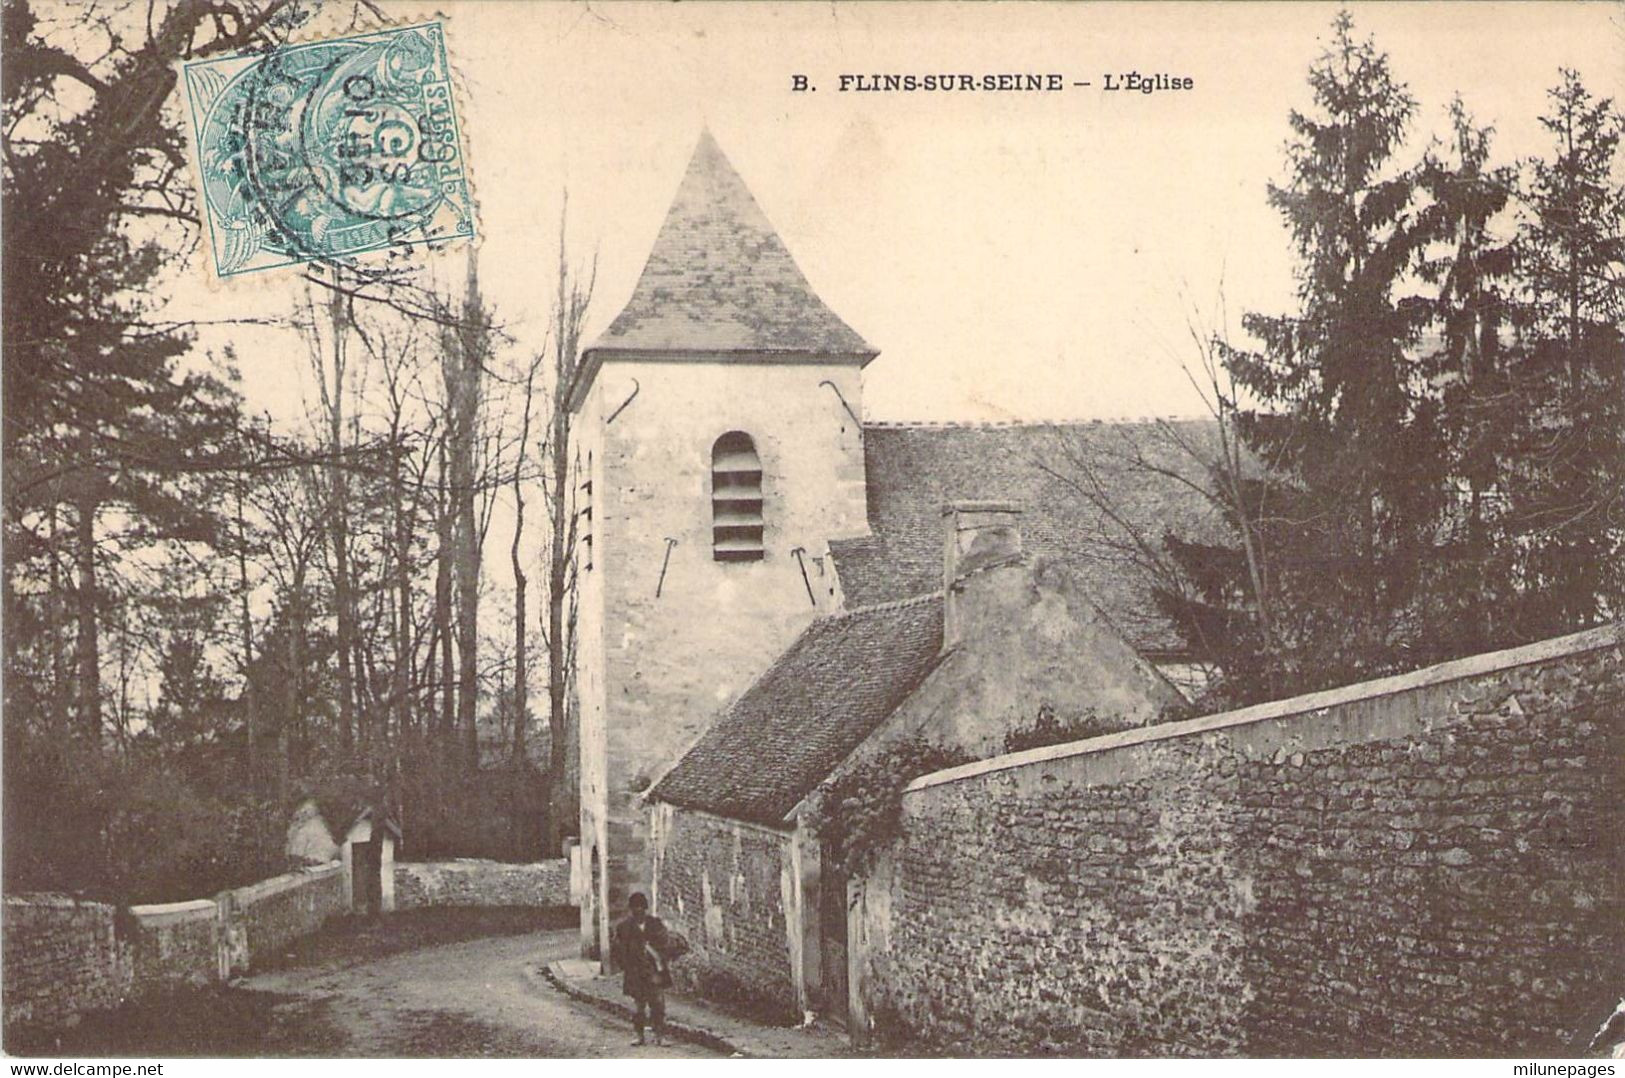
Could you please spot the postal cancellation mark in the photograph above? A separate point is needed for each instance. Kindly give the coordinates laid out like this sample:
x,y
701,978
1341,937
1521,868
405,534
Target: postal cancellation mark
x,y
329,149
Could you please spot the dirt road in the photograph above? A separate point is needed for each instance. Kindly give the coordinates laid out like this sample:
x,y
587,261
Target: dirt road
x,y
472,998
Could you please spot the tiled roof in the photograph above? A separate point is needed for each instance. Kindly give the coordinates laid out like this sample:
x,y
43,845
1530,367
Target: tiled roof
x,y
834,686
913,470
719,278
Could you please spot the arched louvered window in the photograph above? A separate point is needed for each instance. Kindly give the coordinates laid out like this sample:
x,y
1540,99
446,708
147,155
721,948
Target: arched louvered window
x,y
736,499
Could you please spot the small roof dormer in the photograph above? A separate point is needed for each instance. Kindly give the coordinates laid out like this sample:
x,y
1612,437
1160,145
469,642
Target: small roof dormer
x,y
720,284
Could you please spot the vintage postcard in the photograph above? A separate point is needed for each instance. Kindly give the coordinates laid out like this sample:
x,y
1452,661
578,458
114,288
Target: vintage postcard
x,y
843,530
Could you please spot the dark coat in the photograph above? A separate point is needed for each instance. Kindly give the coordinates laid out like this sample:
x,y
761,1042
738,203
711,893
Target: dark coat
x,y
641,948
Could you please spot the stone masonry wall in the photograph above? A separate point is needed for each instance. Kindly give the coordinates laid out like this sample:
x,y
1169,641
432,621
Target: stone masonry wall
x,y
274,912
722,884
61,957
1096,919
481,883
174,944
64,958
1425,865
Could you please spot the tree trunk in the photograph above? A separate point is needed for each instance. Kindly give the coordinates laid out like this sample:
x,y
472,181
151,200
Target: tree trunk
x,y
250,696
89,656
558,580
294,722
284,745
465,409
401,684
1574,275
521,658
468,619
339,509
60,678
521,688
442,619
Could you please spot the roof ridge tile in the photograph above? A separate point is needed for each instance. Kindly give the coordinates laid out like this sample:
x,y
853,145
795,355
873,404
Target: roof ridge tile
x,y
1007,424
875,608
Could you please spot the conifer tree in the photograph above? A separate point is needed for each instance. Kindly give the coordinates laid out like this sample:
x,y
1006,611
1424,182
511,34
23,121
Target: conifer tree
x,y
1469,583
101,420
1340,405
1566,481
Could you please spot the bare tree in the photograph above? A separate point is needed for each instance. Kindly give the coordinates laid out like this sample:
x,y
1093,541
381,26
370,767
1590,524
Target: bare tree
x,y
570,307
1206,460
330,363
246,629
521,657
289,504
465,350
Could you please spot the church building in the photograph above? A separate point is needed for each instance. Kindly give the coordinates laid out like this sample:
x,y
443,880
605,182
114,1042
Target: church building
x,y
732,495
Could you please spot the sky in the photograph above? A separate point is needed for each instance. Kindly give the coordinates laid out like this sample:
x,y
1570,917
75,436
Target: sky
x,y
1012,256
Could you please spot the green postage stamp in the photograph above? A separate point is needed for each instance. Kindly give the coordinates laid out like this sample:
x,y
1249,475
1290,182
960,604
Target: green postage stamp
x,y
324,150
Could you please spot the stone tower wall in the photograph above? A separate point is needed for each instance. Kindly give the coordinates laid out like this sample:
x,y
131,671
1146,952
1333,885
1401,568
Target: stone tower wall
x,y
661,655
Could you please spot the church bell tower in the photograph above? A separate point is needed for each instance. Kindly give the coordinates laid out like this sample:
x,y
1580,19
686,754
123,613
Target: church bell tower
x,y
719,448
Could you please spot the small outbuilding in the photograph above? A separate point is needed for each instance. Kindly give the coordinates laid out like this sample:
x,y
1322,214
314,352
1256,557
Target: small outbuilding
x,y
368,854
359,835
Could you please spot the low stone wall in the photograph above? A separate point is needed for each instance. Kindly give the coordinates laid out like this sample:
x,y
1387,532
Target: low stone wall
x,y
176,943
726,886
274,912
62,957
1425,865
481,883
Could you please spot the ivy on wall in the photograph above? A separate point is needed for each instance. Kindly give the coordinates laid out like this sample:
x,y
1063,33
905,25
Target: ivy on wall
x,y
1048,728
860,813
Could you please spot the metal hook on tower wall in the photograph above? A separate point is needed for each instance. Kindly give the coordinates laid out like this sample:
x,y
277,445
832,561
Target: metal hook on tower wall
x,y
661,584
842,399
800,553
637,387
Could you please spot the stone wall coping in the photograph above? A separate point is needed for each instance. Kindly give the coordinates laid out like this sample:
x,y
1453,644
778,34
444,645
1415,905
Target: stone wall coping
x,y
998,424
249,893
1457,669
53,900
264,889
471,863
197,909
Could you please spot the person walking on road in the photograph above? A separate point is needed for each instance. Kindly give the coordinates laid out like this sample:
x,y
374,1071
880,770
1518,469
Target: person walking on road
x,y
644,948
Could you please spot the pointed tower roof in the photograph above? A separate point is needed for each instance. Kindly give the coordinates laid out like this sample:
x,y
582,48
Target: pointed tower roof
x,y
720,281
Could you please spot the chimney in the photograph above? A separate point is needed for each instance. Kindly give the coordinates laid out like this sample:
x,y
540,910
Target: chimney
x,y
976,536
